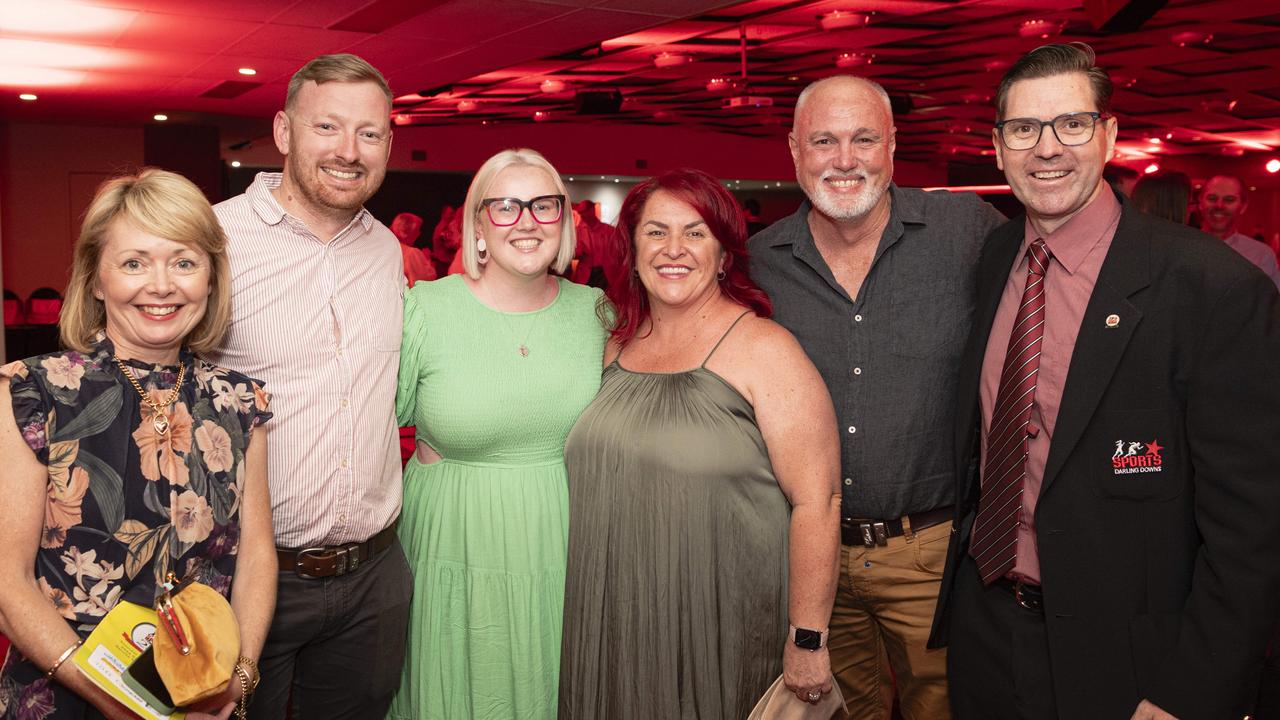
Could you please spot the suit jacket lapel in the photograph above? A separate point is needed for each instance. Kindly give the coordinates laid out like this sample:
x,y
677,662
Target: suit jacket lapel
x,y
1099,348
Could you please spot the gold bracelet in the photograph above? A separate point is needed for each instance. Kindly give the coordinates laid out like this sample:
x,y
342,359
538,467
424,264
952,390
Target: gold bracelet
x,y
242,708
63,658
257,675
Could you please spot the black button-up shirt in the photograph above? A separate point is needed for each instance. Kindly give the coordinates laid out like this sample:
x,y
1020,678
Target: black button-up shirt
x,y
890,355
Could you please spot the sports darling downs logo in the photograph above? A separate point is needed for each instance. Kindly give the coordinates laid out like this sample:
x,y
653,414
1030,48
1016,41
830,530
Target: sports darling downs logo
x,y
1137,457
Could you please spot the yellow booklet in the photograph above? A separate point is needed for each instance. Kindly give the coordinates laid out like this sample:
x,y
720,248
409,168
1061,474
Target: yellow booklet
x,y
119,639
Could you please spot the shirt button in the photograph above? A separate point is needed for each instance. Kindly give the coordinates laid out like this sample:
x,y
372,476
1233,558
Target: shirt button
x,y
344,402
344,460
342,518
857,371
857,318
339,351
852,429
848,481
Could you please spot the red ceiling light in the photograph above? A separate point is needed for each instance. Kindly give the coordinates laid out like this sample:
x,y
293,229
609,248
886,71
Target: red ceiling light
x,y
843,20
1042,29
401,119
541,116
1191,37
247,71
853,59
467,105
1273,166
1152,168
671,59
29,97
59,18
551,86
159,117
722,84
996,65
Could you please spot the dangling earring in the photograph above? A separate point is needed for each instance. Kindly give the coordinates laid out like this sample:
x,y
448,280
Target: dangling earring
x,y
482,251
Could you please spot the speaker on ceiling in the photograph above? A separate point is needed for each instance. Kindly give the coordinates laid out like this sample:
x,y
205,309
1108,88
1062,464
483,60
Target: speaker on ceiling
x,y
597,102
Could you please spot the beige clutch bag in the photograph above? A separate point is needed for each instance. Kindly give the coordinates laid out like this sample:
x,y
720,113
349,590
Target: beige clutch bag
x,y
779,703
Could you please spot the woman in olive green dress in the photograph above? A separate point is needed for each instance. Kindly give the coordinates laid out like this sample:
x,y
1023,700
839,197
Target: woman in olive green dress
x,y
703,496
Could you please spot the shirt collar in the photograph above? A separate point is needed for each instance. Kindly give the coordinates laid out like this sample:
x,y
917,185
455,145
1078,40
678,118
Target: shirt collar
x,y
271,212
1072,243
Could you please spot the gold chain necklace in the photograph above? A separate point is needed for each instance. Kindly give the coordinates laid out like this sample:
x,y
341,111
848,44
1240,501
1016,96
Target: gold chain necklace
x,y
160,420
524,344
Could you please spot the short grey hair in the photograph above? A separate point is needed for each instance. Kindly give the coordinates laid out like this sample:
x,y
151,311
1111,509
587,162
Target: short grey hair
x,y
871,85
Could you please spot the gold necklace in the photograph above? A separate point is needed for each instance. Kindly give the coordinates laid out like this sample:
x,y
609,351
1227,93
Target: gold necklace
x,y
524,344
160,420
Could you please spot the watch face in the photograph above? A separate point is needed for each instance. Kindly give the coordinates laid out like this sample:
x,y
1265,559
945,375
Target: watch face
x,y
808,639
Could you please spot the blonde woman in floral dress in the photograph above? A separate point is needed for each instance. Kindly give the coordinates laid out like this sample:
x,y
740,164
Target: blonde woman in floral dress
x,y
127,456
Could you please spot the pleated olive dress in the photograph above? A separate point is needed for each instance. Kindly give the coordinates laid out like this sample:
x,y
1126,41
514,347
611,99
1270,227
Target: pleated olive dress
x,y
676,597
485,528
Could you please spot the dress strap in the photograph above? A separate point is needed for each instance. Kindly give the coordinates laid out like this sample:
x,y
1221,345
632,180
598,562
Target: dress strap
x,y
722,337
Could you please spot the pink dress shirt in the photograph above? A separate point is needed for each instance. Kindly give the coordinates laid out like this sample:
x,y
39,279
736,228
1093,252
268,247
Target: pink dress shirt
x,y
319,320
1076,250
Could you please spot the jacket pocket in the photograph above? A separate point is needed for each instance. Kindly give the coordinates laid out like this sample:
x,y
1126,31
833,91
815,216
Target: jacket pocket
x,y
1138,455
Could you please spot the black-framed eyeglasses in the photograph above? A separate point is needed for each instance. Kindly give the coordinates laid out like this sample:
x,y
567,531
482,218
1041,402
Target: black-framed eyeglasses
x,y
505,211
1070,128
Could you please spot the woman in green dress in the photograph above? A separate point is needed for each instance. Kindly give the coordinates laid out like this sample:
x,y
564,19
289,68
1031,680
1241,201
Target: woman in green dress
x,y
495,367
710,449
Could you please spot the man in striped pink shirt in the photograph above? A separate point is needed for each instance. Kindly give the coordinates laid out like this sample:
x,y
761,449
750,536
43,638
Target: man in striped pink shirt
x,y
317,286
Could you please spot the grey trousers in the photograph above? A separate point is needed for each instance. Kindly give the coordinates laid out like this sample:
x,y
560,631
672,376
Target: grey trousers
x,y
336,645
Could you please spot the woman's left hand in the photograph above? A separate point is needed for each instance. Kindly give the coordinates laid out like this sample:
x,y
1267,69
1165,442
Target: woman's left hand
x,y
218,707
805,673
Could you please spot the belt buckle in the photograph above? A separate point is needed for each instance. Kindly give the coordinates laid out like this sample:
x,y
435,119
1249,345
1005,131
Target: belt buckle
x,y
1025,599
312,552
873,534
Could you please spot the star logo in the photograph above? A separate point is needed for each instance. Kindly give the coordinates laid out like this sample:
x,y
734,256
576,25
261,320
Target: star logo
x,y
1154,448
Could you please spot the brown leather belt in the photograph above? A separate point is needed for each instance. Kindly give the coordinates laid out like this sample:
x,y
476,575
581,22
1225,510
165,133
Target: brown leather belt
x,y
1025,594
870,533
335,560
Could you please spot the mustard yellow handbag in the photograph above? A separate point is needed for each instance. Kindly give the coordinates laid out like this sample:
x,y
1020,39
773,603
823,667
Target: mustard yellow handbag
x,y
199,641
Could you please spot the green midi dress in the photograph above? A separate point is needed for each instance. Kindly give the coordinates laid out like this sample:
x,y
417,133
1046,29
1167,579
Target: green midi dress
x,y
485,528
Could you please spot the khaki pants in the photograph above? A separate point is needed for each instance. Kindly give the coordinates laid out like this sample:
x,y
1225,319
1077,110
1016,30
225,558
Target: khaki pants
x,y
883,612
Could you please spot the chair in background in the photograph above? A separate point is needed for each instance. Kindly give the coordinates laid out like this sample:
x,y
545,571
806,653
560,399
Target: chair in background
x,y
13,314
44,306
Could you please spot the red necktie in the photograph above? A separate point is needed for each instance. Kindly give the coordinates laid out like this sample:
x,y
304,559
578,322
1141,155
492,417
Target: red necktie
x,y
995,532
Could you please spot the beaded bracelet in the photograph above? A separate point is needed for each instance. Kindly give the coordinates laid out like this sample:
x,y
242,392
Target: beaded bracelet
x,y
63,658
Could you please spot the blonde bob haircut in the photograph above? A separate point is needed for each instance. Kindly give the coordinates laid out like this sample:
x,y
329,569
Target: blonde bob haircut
x,y
479,190
163,204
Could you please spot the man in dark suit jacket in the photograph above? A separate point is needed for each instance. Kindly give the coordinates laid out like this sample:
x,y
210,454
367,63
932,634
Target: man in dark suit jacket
x,y
1117,552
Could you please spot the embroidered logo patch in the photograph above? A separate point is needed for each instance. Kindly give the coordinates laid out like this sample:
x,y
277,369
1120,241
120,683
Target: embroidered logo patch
x,y
1137,457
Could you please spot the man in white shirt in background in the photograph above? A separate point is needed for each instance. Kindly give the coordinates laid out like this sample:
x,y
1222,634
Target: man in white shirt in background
x,y
1222,201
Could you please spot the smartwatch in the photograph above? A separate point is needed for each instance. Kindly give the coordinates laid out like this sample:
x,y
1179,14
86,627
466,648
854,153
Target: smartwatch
x,y
811,640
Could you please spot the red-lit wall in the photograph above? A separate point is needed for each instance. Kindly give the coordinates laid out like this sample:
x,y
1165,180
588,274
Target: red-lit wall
x,y
48,174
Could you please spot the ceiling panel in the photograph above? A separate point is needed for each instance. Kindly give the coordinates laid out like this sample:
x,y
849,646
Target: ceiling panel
x,y
121,60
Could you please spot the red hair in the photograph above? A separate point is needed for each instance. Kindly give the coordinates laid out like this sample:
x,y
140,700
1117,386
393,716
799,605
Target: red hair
x,y
727,224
